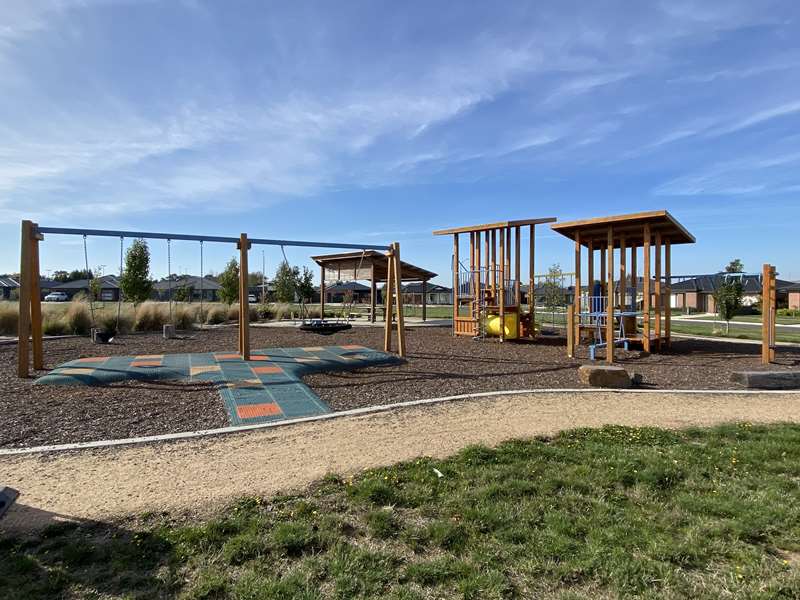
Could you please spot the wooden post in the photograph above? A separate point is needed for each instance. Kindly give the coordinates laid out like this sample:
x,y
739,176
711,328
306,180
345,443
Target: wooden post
x,y
576,305
398,282
502,290
322,292
494,264
518,276
602,273
486,251
36,303
634,277
623,276
424,300
531,280
590,270
455,280
646,291
373,294
472,268
476,278
387,290
768,315
668,292
24,321
570,334
610,299
244,303
658,305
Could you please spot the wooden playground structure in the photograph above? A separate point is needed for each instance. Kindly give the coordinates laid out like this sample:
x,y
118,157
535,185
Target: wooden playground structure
x,y
371,266
30,308
487,296
606,314
769,314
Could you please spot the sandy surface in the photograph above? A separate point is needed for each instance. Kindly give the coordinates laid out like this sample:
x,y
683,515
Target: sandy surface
x,y
199,476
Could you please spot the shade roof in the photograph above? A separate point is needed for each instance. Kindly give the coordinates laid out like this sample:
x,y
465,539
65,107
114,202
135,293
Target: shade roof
x,y
490,226
631,227
371,259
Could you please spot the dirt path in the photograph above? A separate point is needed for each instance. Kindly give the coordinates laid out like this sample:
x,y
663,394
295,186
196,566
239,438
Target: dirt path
x,y
200,475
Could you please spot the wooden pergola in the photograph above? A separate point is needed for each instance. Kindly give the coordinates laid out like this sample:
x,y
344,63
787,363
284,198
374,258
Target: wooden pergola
x,y
371,266
655,232
491,286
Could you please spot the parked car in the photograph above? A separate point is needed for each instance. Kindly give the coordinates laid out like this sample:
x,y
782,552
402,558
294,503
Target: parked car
x,y
252,298
56,297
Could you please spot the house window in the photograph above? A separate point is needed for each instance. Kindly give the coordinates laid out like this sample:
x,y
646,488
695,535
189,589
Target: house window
x,y
106,295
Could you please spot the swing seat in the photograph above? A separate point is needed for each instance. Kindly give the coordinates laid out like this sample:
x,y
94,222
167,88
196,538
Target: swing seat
x,y
324,328
104,337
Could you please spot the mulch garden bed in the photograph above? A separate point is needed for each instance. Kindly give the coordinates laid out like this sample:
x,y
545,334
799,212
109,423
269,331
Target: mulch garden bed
x,y
438,365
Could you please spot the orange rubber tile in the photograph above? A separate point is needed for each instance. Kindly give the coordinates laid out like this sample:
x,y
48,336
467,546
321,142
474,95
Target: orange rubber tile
x,y
227,356
92,359
258,357
260,370
252,411
353,347
149,357
146,363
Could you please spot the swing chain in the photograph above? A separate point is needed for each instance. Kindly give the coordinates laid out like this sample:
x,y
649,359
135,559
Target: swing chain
x,y
119,284
89,279
169,277
202,277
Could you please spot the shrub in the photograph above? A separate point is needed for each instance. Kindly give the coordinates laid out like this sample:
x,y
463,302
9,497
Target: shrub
x,y
107,321
217,315
78,318
265,312
9,316
151,316
233,312
54,324
184,317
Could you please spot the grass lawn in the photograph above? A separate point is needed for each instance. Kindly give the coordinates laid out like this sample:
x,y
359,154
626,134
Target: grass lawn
x,y
744,318
614,512
742,333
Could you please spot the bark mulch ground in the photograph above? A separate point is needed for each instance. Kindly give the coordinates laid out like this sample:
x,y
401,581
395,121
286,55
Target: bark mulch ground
x,y
438,365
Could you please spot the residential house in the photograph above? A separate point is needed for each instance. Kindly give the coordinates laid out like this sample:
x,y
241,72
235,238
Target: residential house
x,y
338,292
434,294
793,299
8,288
109,288
194,286
696,294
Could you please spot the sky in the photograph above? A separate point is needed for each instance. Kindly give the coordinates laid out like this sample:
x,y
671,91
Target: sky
x,y
372,122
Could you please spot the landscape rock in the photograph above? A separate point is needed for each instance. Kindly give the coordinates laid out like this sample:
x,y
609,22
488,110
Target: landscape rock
x,y
604,376
768,380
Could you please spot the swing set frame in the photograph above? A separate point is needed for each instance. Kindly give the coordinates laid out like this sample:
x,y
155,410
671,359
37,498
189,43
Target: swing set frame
x,y
30,307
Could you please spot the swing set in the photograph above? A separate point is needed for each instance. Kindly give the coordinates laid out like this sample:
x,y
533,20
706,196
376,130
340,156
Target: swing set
x,y
30,308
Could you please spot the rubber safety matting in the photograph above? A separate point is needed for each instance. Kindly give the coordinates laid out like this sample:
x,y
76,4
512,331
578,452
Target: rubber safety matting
x,y
268,387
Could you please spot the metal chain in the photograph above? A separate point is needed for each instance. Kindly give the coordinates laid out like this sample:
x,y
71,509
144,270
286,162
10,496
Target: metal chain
x,y
89,278
119,283
169,278
202,276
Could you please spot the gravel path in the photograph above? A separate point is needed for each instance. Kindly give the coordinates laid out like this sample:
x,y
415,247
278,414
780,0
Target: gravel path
x,y
198,476
438,365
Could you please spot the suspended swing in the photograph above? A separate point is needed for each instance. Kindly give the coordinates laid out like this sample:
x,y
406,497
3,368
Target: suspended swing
x,y
322,326
106,335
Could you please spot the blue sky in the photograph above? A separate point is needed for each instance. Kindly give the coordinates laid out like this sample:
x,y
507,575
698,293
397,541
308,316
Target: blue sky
x,y
372,122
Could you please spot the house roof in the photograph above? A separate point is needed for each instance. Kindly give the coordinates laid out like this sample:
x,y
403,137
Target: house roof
x,y
630,227
345,286
795,287
106,282
708,284
191,281
7,282
499,225
431,288
359,264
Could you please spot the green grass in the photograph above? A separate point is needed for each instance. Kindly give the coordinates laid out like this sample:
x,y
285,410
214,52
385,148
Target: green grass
x,y
613,512
743,318
742,333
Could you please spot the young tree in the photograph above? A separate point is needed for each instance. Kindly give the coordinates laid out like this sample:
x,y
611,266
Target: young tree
x,y
553,290
135,283
286,278
728,298
305,285
183,293
94,289
229,282
735,266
